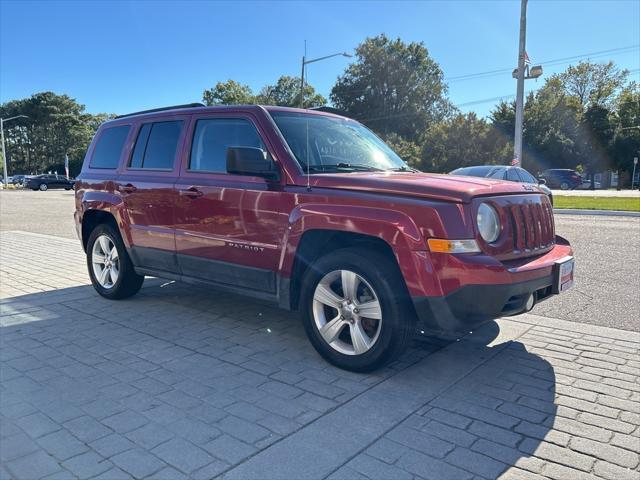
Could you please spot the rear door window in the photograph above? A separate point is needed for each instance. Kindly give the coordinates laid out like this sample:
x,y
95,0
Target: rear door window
x,y
108,149
212,137
157,145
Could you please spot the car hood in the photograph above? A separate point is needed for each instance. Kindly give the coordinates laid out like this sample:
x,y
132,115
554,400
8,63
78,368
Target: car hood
x,y
425,185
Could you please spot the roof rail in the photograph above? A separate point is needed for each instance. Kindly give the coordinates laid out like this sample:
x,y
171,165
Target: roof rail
x,y
173,107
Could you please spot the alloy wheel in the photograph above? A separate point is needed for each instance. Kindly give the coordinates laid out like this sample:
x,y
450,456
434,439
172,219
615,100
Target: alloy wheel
x,y
105,261
347,312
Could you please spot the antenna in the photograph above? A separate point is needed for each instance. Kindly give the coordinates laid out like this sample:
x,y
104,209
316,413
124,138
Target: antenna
x,y
307,154
306,119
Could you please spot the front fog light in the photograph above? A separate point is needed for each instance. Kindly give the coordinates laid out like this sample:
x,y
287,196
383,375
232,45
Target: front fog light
x,y
488,223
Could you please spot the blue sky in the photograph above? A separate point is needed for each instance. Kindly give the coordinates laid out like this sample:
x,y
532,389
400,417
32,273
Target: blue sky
x,y
123,56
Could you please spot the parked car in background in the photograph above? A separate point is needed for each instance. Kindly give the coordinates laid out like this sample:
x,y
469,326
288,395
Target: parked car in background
x,y
312,212
586,184
18,179
504,172
562,178
46,181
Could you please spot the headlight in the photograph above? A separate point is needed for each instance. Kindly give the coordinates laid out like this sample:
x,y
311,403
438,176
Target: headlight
x,y
488,223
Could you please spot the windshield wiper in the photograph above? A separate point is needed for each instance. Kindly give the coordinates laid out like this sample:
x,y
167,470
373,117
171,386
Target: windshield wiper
x,y
403,168
344,166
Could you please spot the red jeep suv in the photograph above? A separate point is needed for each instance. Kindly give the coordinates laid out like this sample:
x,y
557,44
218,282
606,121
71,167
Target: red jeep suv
x,y
312,212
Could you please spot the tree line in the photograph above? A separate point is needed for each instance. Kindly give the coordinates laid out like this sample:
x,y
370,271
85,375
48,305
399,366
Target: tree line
x,y
587,117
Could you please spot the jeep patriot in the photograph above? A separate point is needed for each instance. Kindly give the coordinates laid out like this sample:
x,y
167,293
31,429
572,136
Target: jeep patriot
x,y
312,212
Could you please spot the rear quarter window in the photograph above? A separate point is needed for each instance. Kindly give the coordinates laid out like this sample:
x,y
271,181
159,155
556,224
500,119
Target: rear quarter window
x,y
157,145
106,153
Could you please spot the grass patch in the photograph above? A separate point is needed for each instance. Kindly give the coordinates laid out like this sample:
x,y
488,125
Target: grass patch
x,y
597,203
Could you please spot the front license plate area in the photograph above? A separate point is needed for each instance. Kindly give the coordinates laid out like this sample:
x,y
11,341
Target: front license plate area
x,y
563,275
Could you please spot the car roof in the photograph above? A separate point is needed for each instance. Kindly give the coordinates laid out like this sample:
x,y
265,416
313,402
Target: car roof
x,y
200,108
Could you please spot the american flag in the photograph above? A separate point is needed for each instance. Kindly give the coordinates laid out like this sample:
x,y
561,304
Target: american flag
x,y
515,162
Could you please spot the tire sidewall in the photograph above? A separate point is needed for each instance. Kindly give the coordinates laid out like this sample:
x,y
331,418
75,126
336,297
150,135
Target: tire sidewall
x,y
115,291
43,187
376,272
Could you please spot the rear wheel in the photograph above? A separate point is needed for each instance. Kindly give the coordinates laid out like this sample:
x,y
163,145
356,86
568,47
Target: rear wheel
x,y
564,186
43,187
354,311
110,268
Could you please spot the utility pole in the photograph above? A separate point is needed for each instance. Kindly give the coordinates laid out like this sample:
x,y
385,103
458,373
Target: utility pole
x,y
4,155
305,62
517,144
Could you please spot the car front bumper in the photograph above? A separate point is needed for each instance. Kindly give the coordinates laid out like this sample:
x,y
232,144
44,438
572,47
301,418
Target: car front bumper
x,y
514,289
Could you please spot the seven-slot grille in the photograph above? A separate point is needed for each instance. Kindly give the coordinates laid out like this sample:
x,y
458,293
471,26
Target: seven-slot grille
x,y
532,225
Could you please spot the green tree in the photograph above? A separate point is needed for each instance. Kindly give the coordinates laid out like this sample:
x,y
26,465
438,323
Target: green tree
x,y
56,125
626,121
229,93
593,83
286,93
596,135
393,87
461,141
409,151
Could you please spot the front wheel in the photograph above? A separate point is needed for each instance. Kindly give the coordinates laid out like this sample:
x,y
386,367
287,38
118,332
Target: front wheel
x,y
43,187
110,268
564,186
356,309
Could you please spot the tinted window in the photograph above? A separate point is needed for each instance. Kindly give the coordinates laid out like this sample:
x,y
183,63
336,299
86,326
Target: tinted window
x,y
212,137
512,175
497,173
106,153
481,171
141,145
156,145
526,176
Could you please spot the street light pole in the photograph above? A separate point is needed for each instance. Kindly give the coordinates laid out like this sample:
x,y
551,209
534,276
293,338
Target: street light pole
x,y
517,144
4,155
306,62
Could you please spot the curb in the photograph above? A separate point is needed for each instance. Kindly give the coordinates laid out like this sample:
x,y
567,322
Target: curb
x,y
612,213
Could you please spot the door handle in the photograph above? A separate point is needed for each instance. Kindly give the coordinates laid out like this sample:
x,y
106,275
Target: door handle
x,y
128,188
192,192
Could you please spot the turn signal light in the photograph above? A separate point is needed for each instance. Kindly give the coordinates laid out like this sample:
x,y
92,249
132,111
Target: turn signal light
x,y
441,245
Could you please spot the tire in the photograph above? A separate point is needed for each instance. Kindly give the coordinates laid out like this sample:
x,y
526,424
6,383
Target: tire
x,y
376,277
126,281
67,188
43,187
564,186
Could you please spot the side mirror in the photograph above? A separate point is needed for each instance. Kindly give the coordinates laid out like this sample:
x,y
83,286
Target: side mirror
x,y
542,181
251,161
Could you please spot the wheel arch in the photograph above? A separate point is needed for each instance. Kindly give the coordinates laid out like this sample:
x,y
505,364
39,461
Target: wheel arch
x,y
91,219
315,231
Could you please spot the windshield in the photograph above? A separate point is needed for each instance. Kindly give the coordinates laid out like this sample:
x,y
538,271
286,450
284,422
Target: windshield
x,y
335,144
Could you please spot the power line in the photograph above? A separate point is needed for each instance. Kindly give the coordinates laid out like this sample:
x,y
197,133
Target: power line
x,y
507,97
557,61
490,73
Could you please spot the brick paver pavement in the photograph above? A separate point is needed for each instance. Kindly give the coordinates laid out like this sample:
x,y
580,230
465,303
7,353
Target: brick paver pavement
x,y
183,382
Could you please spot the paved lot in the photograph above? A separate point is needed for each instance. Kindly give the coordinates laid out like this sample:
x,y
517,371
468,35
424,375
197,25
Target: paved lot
x,y
607,250
181,382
